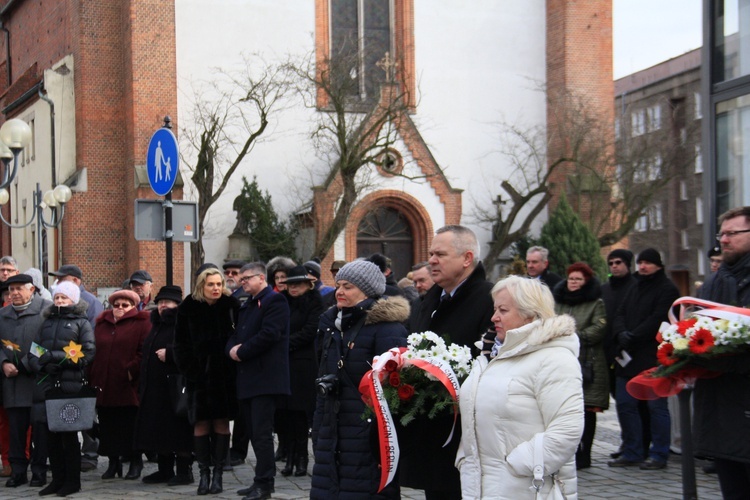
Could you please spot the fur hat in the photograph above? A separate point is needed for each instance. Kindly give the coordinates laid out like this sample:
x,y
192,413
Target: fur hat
x,y
364,275
169,292
124,294
70,290
621,253
650,255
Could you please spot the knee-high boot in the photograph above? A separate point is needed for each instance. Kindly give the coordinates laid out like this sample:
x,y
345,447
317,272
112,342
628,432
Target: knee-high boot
x,y
301,457
221,450
203,457
583,454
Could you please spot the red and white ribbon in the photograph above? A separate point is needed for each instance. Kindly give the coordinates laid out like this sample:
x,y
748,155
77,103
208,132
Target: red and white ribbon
x,y
373,395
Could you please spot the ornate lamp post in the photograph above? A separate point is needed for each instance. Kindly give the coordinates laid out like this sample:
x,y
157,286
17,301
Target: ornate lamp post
x,y
15,135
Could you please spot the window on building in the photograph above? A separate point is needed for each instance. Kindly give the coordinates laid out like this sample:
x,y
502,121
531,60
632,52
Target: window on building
x,y
641,224
732,153
655,217
732,40
701,262
699,210
683,191
684,239
654,117
698,159
638,122
697,103
353,37
654,168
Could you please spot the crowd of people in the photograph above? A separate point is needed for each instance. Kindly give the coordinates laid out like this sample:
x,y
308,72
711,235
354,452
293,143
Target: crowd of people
x,y
275,350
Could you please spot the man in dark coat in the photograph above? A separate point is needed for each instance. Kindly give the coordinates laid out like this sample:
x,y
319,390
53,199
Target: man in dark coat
x,y
643,309
19,324
459,308
537,266
722,404
260,346
613,292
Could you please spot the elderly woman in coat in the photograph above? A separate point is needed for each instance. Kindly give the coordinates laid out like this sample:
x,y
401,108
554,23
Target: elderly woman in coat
x,y
580,296
293,412
360,327
157,428
119,335
65,322
522,407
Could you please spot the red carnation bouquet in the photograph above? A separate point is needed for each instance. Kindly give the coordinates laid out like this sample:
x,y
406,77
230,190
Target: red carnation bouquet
x,y
715,330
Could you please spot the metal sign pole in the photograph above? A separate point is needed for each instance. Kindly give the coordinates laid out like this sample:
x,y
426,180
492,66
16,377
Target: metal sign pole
x,y
168,233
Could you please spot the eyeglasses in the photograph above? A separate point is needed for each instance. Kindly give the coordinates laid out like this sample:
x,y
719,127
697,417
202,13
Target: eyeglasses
x,y
232,273
614,262
122,305
730,234
245,279
5,270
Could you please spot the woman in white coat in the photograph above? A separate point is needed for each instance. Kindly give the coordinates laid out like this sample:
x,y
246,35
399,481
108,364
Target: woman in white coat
x,y
522,406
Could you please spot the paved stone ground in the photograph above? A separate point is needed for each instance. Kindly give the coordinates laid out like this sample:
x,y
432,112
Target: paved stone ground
x,y
597,482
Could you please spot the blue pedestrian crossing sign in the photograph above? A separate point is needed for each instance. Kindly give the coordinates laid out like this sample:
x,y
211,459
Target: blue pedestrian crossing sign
x,y
162,161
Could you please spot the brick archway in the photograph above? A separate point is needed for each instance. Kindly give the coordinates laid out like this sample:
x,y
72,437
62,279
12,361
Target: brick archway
x,y
412,210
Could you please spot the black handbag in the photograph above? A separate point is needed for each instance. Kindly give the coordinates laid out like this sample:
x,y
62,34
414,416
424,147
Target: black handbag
x,y
70,412
178,394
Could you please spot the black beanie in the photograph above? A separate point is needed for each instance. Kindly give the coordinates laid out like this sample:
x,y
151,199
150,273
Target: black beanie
x,y
650,255
621,253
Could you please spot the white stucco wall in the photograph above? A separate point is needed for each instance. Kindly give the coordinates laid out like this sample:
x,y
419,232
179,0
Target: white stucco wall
x,y
477,64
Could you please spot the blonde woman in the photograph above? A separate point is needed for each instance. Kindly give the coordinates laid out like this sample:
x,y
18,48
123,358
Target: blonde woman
x,y
205,321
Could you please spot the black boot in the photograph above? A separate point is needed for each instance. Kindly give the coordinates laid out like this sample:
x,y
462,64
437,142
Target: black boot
x,y
288,468
136,466
203,456
221,452
184,472
164,473
301,458
114,469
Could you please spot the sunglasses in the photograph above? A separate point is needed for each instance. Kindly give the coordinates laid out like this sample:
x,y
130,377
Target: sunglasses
x,y
122,305
232,273
615,262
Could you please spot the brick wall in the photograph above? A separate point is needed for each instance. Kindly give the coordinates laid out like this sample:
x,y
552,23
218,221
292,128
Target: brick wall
x,y
125,82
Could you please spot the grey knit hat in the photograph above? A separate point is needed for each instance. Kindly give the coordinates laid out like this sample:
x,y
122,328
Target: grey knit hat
x,y
364,275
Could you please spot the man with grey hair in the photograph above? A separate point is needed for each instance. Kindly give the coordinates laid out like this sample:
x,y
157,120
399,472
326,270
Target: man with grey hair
x,y
459,308
19,324
420,275
537,266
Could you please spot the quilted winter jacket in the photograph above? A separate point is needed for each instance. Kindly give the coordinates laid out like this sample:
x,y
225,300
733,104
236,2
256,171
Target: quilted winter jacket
x,y
345,445
532,386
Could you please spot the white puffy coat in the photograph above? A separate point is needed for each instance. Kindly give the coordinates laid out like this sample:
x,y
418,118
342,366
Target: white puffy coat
x,y
532,386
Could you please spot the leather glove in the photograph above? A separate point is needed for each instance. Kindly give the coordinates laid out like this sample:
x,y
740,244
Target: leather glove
x,y
45,358
52,368
625,339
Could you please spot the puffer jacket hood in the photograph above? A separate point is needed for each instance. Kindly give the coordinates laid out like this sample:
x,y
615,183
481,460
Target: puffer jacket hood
x,y
558,331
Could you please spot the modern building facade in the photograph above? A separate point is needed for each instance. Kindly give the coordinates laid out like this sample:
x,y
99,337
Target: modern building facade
x,y
726,87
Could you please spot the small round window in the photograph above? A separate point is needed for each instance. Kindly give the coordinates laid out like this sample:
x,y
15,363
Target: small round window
x,y
390,162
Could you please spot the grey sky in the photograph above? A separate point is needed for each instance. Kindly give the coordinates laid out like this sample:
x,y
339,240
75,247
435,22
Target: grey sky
x,y
647,32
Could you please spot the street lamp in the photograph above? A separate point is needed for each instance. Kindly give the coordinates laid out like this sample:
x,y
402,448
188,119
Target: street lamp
x,y
15,135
